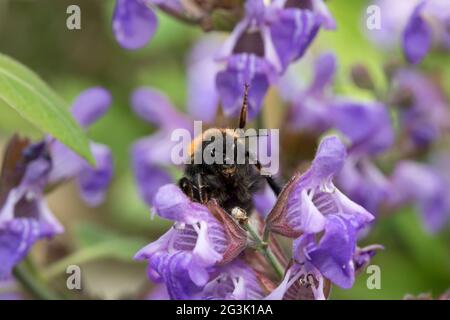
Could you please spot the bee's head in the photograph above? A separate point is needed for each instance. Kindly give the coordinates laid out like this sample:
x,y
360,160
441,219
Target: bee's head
x,y
219,149
222,150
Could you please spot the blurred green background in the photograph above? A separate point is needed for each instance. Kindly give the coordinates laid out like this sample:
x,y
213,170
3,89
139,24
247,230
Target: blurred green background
x,y
104,240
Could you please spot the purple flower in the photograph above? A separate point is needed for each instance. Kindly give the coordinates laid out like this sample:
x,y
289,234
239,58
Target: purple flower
x,y
418,33
150,155
334,258
301,282
361,179
369,131
362,256
416,23
424,186
311,107
294,24
134,23
264,200
203,98
416,36
234,281
24,215
187,256
423,111
241,69
88,107
307,200
310,205
262,45
395,16
333,254
366,125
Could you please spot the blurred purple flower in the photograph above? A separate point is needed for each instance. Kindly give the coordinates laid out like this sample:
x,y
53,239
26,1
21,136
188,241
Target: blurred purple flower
x,y
368,128
294,24
361,179
188,255
262,45
150,155
416,23
24,215
203,97
417,36
395,15
264,200
424,113
424,186
88,107
310,108
134,22
429,18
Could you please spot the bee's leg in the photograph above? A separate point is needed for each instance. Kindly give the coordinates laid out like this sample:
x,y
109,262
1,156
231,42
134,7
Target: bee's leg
x,y
243,115
201,188
276,188
187,187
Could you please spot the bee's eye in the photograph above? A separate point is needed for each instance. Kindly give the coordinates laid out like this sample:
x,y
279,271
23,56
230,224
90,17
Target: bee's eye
x,y
213,152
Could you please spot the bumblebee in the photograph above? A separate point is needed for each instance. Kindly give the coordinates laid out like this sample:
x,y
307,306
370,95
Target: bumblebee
x,y
230,182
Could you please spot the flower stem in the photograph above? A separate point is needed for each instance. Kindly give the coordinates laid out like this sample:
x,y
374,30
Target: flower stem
x,y
262,246
31,284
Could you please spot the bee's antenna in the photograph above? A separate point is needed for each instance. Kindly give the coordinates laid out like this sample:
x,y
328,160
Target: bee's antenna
x,y
243,116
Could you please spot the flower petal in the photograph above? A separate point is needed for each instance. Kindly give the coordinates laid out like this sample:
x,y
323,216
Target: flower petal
x,y
90,105
333,255
293,32
368,126
93,181
244,69
133,23
155,107
171,203
324,71
329,159
416,36
203,98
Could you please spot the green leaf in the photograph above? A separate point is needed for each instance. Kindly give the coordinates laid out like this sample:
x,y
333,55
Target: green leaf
x,y
22,90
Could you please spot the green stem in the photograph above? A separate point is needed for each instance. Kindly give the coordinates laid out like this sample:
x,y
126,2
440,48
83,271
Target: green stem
x,y
276,265
266,235
262,246
82,256
32,285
